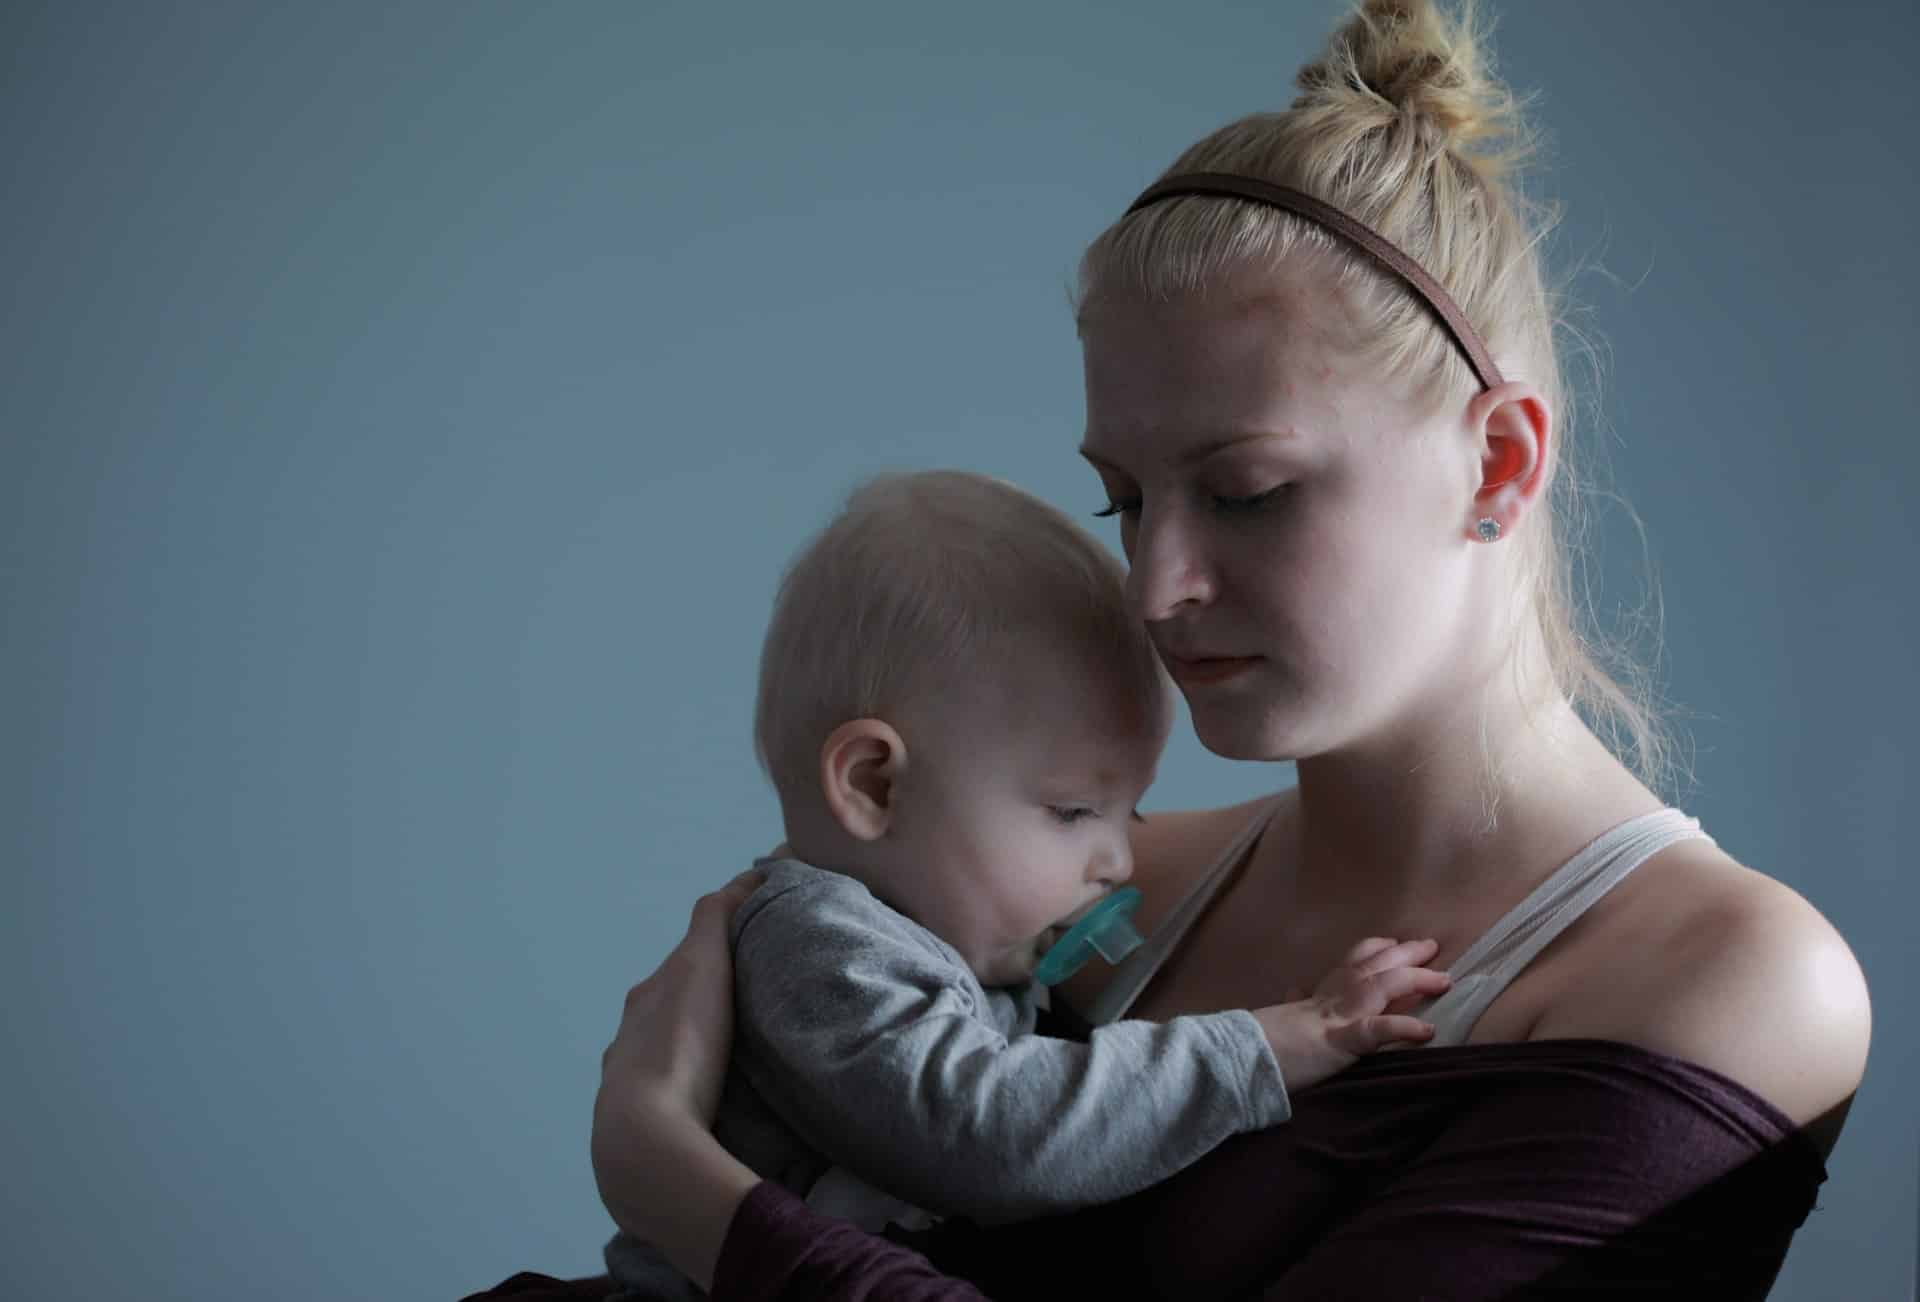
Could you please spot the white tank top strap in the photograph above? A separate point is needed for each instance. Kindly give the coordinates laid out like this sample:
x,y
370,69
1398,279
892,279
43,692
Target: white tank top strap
x,y
1132,974
1493,961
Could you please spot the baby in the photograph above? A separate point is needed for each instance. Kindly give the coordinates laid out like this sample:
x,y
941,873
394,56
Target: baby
x,y
959,714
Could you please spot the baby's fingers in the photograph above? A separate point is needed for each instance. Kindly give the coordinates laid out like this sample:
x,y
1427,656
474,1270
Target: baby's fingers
x,y
1383,989
1367,948
1395,1029
1393,954
1363,1035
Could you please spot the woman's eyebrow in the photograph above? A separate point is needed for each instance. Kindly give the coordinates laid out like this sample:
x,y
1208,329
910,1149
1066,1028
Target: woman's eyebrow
x,y
1204,450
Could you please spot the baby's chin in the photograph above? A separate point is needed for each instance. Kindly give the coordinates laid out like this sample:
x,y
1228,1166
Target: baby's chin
x,y
1014,966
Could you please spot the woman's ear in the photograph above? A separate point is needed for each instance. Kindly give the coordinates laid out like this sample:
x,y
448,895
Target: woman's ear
x,y
860,763
1514,428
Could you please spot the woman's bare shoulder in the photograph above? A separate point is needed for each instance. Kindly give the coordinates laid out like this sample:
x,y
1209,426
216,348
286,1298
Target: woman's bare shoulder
x,y
1732,970
1172,849
1175,845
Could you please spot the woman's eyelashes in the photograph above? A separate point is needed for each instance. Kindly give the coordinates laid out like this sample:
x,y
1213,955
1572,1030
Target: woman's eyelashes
x,y
1222,503
1229,505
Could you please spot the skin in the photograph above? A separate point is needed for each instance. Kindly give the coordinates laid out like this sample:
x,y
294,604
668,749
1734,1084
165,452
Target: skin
x,y
1377,619
991,836
1381,656
660,1088
1000,827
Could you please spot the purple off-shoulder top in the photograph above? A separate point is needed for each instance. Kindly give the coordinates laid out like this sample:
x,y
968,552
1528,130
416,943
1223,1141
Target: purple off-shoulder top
x,y
1552,1168
1557,1168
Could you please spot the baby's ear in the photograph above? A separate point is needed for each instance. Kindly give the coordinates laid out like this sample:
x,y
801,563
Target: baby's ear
x,y
860,763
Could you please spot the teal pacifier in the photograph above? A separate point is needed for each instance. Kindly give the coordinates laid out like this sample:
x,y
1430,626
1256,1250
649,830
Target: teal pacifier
x,y
1106,930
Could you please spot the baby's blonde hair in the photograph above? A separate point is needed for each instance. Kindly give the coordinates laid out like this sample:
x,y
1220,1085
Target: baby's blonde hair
x,y
937,583
1401,124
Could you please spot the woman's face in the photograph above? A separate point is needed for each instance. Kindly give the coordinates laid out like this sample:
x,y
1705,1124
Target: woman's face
x,y
1297,524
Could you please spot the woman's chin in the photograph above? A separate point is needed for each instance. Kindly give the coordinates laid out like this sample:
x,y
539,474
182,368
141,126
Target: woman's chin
x,y
1242,738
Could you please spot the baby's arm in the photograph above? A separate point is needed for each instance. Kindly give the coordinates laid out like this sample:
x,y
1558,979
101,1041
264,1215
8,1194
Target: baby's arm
x,y
1351,1012
871,1042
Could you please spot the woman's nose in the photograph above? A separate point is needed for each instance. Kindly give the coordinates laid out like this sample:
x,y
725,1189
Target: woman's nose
x,y
1166,570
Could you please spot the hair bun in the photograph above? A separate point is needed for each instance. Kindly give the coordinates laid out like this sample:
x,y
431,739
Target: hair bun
x,y
1409,61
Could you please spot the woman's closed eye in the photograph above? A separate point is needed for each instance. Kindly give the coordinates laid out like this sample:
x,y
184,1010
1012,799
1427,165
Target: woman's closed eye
x,y
1228,505
1224,503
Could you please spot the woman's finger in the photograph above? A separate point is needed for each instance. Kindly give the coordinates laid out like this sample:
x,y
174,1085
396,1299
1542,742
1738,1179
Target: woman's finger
x,y
743,885
704,951
676,1027
717,907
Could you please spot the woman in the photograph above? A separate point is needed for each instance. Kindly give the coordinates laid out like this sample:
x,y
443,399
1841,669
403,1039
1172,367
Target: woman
x,y
1330,432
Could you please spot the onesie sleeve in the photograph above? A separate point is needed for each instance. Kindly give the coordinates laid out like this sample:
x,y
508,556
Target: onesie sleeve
x,y
873,1041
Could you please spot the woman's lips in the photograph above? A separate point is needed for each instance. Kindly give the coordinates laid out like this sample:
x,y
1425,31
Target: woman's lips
x,y
1209,669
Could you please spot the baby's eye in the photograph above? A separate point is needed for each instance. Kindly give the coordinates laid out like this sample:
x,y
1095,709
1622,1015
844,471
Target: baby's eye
x,y
1071,813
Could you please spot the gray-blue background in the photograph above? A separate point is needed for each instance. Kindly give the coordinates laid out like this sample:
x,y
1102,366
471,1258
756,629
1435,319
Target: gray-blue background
x,y
406,411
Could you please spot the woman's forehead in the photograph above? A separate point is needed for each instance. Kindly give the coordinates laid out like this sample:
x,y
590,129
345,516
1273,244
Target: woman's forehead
x,y
1190,376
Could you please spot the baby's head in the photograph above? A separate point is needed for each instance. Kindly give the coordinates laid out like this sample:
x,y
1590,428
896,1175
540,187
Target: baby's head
x,y
958,709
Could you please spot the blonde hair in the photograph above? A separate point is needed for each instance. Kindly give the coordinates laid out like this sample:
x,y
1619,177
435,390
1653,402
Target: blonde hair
x,y
937,582
1401,124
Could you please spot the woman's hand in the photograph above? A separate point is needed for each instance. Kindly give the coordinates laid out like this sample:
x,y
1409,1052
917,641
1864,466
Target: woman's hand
x,y
661,1174
677,1025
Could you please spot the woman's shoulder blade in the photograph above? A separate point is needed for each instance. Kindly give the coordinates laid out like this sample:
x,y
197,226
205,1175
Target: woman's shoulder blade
x,y
1740,975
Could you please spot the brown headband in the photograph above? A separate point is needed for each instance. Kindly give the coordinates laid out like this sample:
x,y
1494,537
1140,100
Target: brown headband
x,y
1356,233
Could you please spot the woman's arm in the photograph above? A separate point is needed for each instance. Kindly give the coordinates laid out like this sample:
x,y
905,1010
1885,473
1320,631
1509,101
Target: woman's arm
x,y
779,1248
660,1084
1592,1170
1579,1169
686,1215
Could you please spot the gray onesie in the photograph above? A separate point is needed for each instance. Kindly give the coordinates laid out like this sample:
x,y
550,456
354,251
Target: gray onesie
x,y
864,1046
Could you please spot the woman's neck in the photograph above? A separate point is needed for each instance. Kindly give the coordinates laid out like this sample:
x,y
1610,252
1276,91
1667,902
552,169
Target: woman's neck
x,y
1433,823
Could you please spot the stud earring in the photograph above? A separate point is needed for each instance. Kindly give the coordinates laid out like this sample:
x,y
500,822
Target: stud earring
x,y
1488,529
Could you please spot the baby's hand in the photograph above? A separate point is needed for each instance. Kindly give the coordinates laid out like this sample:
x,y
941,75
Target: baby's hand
x,y
1346,1016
